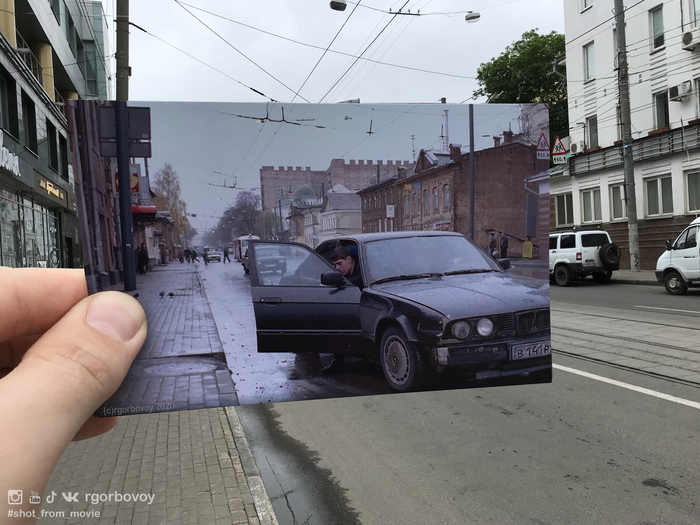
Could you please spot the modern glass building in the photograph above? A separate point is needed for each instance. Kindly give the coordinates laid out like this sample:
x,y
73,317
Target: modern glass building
x,y
50,51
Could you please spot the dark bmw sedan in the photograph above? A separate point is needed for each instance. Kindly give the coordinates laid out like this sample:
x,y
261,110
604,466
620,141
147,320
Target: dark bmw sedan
x,y
430,301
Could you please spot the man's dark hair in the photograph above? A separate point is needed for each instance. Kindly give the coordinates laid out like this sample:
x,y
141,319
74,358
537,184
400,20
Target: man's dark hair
x,y
341,252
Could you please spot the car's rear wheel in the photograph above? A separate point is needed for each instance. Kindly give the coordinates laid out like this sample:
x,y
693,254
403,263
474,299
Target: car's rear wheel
x,y
602,277
562,275
404,367
674,283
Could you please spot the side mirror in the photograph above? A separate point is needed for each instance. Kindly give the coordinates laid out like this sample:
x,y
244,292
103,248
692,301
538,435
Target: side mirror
x,y
332,279
504,263
668,246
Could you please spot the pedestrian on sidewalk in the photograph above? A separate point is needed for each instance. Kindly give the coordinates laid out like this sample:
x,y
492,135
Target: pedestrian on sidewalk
x,y
193,254
504,246
188,254
143,259
226,257
492,246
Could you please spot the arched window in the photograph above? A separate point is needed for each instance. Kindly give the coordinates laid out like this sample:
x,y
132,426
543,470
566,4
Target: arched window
x,y
415,203
436,204
446,190
425,201
405,205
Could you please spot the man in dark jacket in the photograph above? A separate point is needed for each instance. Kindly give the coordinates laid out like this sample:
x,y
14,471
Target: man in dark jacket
x,y
345,261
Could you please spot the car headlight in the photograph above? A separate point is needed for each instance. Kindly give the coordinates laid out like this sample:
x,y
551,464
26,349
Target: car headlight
x,y
461,329
484,327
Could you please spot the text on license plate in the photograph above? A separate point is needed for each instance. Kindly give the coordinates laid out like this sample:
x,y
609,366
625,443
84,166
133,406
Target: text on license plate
x,y
528,350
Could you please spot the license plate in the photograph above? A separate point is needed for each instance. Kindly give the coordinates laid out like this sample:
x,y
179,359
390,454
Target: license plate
x,y
528,350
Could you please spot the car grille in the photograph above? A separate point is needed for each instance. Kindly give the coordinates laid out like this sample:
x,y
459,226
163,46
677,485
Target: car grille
x,y
532,321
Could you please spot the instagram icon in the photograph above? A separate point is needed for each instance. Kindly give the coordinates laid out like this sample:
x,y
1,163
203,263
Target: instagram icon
x,y
14,497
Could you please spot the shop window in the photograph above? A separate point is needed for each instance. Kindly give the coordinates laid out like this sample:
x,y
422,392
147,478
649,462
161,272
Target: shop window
x,y
693,192
590,203
29,122
617,202
564,209
659,196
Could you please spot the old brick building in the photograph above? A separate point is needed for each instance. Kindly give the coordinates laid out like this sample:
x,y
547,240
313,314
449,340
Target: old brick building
x,y
282,182
435,195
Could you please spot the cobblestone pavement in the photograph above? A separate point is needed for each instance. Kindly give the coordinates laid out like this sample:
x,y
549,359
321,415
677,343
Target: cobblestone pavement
x,y
189,467
181,365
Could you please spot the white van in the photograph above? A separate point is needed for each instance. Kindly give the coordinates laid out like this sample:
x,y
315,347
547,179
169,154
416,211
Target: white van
x,y
679,265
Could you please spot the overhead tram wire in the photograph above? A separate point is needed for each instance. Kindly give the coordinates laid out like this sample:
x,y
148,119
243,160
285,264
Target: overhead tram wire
x,y
363,52
237,50
329,50
325,51
258,92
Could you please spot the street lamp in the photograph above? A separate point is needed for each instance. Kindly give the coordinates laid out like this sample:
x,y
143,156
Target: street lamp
x,y
338,5
472,17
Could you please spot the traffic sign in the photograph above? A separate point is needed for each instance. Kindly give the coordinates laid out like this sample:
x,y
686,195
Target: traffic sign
x,y
542,148
559,152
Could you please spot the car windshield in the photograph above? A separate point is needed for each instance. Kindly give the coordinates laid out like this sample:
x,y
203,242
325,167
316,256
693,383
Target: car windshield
x,y
410,257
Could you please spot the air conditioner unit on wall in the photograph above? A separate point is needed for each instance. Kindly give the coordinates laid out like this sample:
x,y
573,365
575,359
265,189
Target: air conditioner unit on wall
x,y
577,147
691,39
680,91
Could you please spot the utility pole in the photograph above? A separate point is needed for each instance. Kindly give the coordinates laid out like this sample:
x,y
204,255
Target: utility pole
x,y
628,159
123,167
472,177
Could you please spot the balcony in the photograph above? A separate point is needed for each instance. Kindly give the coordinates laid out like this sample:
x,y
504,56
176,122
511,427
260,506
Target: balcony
x,y
29,59
647,148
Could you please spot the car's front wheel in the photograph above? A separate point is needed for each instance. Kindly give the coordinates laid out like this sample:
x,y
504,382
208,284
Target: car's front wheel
x,y
674,283
404,367
562,275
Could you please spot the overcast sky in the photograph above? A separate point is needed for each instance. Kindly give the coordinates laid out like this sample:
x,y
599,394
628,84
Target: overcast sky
x,y
201,50
220,51
211,145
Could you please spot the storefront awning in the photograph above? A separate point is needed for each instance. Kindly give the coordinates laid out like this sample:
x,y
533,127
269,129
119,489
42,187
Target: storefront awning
x,y
143,213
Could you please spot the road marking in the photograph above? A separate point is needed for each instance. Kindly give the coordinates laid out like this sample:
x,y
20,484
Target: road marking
x,y
639,389
668,309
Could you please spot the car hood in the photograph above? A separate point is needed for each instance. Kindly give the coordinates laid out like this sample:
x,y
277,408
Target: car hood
x,y
459,296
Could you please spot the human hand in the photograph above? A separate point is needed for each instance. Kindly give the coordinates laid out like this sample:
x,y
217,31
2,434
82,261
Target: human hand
x,y
66,354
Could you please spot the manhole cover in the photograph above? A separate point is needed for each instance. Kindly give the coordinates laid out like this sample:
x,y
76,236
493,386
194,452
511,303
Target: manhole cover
x,y
180,368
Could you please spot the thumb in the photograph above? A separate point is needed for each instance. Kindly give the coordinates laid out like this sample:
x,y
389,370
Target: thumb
x,y
62,379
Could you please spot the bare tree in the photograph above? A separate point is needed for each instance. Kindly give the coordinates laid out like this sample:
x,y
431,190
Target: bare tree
x,y
166,186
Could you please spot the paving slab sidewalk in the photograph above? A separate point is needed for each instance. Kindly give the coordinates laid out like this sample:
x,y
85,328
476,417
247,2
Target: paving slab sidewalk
x,y
183,467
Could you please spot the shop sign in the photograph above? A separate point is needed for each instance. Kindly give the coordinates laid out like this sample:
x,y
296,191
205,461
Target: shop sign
x,y
50,189
8,160
443,226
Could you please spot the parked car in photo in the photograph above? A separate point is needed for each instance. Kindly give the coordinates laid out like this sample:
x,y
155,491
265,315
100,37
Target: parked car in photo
x,y
430,301
679,266
578,254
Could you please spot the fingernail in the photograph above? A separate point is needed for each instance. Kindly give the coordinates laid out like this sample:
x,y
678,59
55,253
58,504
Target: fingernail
x,y
116,315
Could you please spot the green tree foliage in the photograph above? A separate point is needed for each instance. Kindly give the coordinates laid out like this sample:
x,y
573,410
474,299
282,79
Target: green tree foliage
x,y
166,186
523,74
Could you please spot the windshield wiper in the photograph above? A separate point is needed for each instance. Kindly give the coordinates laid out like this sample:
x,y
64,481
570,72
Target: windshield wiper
x,y
406,277
480,270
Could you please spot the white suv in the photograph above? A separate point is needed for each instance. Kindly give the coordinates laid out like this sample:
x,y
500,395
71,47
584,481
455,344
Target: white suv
x,y
580,254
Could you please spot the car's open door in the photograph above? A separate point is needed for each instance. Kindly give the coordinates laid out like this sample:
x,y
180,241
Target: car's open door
x,y
294,311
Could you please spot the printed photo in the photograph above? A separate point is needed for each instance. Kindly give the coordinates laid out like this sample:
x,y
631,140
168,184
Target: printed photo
x,y
287,252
